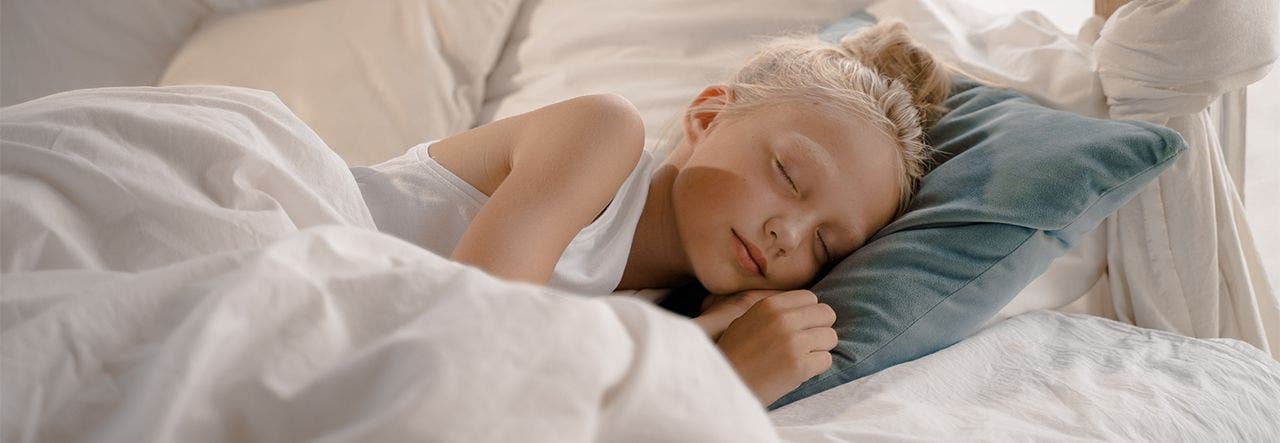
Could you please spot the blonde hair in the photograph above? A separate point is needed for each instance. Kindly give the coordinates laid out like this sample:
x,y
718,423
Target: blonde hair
x,y
879,74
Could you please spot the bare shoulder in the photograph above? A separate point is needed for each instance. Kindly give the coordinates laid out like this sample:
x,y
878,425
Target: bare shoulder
x,y
601,133
549,173
602,128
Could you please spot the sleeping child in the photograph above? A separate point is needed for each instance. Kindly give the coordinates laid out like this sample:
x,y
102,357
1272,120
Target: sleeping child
x,y
778,173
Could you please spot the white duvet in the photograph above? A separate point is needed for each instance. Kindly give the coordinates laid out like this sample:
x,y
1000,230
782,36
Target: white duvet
x,y
222,281
192,264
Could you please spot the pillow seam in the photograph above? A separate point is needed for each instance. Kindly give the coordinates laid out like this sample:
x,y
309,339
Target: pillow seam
x,y
932,308
1102,196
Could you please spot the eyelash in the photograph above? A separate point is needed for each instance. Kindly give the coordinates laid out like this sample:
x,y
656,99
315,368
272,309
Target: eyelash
x,y
782,169
825,249
787,176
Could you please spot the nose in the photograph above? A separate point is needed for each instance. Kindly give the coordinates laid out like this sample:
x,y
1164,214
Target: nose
x,y
786,232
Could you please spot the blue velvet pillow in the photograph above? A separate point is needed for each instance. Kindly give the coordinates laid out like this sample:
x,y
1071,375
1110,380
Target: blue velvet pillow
x,y
1018,185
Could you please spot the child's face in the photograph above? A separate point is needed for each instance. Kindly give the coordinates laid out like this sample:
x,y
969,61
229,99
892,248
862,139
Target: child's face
x,y
732,198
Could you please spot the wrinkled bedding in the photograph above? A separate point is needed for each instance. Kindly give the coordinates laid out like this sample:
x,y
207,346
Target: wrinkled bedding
x,y
193,264
1049,376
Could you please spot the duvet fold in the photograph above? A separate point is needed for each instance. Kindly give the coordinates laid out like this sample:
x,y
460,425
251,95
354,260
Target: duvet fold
x,y
194,264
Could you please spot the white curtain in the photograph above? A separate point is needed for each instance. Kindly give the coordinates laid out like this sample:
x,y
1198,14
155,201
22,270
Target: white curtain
x,y
1180,255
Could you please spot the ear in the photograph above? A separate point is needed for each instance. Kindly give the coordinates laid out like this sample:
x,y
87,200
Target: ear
x,y
704,110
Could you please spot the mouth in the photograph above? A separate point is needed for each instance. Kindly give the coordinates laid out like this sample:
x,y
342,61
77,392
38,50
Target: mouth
x,y
749,256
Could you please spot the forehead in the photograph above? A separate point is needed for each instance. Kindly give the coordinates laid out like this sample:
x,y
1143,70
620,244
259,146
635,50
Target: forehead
x,y
856,163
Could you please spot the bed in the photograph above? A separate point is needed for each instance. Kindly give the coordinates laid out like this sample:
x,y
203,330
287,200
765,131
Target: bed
x,y
266,307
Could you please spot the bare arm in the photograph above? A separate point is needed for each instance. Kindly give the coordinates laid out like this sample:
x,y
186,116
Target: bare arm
x,y
548,173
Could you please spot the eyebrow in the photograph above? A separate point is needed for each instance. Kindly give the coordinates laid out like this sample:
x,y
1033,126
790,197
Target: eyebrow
x,y
817,156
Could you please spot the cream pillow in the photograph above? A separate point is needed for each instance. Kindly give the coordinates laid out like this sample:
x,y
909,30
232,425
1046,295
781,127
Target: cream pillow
x,y
54,46
657,53
371,77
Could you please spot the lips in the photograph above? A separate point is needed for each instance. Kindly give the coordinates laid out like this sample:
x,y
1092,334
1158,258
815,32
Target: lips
x,y
750,257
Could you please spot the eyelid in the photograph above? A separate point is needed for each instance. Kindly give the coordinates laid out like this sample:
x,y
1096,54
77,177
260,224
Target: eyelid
x,y
825,249
782,169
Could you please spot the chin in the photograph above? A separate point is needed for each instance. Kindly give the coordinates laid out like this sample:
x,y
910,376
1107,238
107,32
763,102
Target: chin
x,y
720,289
717,286
726,282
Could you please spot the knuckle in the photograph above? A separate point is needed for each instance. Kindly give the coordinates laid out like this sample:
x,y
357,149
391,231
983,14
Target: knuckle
x,y
778,326
789,320
831,338
805,295
771,303
828,313
796,344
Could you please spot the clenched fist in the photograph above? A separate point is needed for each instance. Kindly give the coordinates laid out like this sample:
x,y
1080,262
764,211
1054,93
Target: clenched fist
x,y
781,341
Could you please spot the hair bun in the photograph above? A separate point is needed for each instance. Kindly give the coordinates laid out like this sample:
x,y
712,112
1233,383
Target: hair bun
x,y
890,50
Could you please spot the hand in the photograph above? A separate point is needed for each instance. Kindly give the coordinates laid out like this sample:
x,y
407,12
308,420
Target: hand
x,y
719,310
780,342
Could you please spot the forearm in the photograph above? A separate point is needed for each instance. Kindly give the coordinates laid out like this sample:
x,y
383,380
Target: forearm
x,y
518,234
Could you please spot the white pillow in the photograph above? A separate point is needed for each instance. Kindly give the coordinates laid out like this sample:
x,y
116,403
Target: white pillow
x,y
657,53
54,46
371,77
1020,50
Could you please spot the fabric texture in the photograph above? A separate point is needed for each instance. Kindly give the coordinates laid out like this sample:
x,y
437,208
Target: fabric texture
x,y
657,53
417,199
1017,185
372,77
193,264
78,197
1023,51
1183,249
1180,256
53,46
1049,376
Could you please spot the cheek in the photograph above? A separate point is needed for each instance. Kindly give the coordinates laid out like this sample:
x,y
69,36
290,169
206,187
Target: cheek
x,y
707,204
702,198
708,198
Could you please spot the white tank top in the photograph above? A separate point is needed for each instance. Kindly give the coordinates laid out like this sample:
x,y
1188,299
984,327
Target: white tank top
x,y
417,199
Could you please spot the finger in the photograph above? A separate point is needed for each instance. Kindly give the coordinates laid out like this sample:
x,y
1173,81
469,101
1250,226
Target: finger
x,y
754,296
812,316
820,339
789,300
745,300
816,363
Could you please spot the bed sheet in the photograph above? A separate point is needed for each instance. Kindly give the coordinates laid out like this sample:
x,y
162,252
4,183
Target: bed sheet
x,y
1049,376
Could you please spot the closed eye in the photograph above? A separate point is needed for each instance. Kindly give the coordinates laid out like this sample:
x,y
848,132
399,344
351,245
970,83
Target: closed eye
x,y
826,251
783,171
